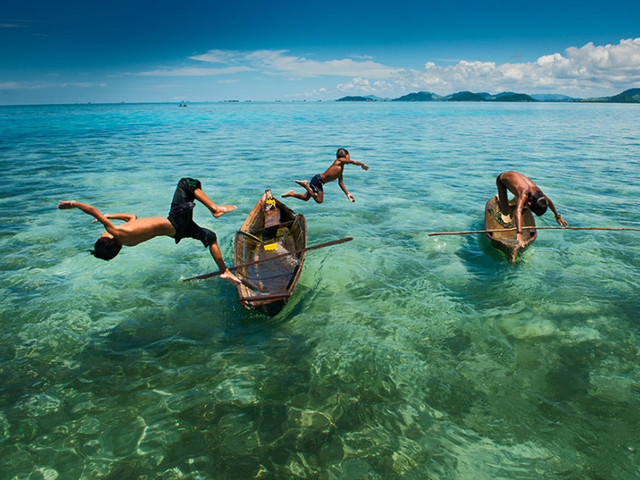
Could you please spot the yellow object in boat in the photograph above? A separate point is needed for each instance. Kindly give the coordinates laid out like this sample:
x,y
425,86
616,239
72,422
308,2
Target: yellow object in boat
x,y
271,246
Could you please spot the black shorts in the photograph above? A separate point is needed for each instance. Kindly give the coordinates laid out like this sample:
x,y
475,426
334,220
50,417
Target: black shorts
x,y
181,214
316,184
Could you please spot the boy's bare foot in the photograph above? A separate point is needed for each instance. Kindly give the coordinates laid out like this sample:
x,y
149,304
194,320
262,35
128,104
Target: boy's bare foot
x,y
302,183
230,277
506,218
247,283
222,209
288,194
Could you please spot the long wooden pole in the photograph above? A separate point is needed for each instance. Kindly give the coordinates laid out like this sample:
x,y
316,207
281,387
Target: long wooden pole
x,y
259,298
530,228
236,267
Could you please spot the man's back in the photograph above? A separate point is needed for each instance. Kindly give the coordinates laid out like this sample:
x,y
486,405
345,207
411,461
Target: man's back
x,y
517,183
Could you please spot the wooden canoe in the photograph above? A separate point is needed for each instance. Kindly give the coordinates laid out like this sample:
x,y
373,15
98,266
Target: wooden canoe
x,y
506,241
271,229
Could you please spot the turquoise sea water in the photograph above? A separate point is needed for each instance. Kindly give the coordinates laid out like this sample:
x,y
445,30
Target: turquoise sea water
x,y
400,356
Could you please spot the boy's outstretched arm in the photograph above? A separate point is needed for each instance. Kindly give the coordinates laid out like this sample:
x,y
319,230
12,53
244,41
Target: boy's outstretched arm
x,y
344,189
127,217
364,166
90,210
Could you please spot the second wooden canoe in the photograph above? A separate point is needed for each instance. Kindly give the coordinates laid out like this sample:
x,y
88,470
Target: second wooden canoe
x,y
271,229
506,240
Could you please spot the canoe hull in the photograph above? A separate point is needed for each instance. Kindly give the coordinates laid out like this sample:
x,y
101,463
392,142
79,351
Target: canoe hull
x,y
506,240
271,229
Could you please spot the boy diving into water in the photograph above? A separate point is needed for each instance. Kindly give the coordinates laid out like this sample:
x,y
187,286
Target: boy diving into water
x,y
178,225
314,188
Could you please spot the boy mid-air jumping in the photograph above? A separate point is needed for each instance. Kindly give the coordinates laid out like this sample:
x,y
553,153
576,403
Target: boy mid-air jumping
x,y
178,225
314,187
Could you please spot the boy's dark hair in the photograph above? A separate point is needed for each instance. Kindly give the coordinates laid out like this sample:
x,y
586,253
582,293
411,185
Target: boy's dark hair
x,y
538,204
106,248
342,153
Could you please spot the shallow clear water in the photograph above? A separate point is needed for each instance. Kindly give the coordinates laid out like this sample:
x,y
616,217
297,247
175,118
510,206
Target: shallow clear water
x,y
400,355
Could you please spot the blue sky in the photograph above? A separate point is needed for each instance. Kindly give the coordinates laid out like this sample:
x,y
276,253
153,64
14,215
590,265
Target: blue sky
x,y
194,50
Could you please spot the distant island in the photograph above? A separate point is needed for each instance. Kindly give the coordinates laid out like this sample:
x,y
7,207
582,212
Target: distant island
x,y
356,99
628,96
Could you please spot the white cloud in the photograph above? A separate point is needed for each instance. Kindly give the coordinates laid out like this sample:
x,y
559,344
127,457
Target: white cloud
x,y
277,62
343,68
310,94
362,57
41,85
586,70
365,86
580,71
193,72
217,56
16,86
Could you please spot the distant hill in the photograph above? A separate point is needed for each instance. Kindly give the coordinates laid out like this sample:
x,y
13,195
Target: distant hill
x,y
553,97
512,97
487,97
594,100
464,97
628,96
418,97
355,99
376,99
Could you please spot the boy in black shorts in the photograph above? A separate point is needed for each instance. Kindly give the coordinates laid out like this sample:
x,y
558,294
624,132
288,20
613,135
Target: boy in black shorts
x,y
178,225
314,188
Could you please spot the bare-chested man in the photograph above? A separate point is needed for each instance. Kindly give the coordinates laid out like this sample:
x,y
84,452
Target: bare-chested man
x,y
314,188
178,225
527,194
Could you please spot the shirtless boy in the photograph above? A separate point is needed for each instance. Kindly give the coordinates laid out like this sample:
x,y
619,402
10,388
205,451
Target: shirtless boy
x,y
314,188
178,225
527,194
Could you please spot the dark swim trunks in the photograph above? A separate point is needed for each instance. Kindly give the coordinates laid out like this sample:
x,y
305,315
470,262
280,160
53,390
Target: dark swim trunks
x,y
316,184
181,214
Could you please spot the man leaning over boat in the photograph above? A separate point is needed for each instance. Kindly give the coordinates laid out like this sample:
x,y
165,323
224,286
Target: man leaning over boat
x,y
527,195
